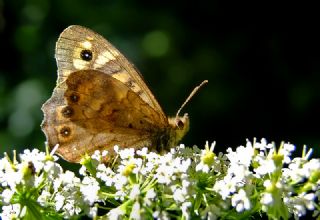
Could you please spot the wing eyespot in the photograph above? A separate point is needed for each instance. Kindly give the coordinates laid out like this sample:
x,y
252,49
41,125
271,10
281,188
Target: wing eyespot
x,y
86,55
74,98
67,111
65,131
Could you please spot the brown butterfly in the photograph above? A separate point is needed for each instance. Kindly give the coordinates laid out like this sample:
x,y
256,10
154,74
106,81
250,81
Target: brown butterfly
x,y
101,100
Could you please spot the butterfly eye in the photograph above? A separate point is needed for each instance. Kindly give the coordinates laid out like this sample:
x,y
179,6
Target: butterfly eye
x,y
86,55
180,124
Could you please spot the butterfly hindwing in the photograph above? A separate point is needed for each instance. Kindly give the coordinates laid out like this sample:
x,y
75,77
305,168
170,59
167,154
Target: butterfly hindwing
x,y
97,111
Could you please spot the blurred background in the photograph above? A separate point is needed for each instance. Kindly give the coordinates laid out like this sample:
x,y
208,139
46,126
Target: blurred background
x,y
262,60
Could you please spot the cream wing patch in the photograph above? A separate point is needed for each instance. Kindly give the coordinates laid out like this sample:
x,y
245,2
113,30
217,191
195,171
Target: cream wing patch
x,y
125,78
102,59
86,45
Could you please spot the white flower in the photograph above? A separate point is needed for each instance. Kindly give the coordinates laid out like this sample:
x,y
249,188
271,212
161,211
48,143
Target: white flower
x,y
106,174
8,174
120,194
120,181
143,152
93,212
225,187
59,201
202,167
266,198
299,169
14,178
53,170
116,149
299,204
207,158
83,170
44,197
266,166
262,145
181,192
56,184
267,184
71,208
286,151
96,156
4,166
126,153
65,179
6,196
90,188
149,183
12,212
309,200
69,178
165,171
242,155
181,165
149,197
311,166
241,201
135,212
115,214
179,195
161,215
184,208
238,173
147,168
135,192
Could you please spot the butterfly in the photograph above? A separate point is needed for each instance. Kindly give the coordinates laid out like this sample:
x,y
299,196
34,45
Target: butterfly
x,y
100,100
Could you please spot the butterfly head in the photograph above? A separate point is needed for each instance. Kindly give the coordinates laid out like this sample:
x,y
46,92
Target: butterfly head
x,y
180,126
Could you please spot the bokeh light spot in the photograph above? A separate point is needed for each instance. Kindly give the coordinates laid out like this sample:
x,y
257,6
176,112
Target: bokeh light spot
x,y
20,123
26,38
27,98
156,43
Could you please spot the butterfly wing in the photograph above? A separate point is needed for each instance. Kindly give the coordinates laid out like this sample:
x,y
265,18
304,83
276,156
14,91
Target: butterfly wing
x,y
79,48
97,111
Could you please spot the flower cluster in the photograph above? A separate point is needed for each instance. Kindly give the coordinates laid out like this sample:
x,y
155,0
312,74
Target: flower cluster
x,y
252,180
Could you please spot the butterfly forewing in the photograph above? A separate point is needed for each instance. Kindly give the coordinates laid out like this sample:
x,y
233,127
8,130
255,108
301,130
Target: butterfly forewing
x,y
79,48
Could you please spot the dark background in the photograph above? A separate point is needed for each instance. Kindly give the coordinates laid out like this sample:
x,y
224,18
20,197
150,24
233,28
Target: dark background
x,y
262,61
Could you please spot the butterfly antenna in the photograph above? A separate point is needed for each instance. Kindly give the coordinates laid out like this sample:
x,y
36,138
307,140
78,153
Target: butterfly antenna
x,y
194,91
